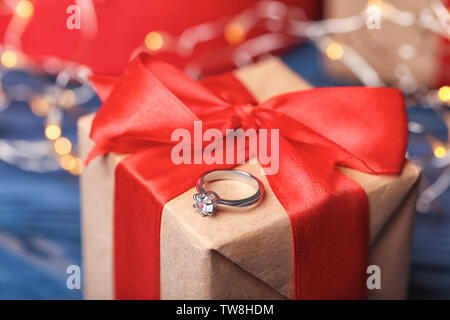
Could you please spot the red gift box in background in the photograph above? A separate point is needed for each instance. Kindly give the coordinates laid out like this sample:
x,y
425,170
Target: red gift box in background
x,y
111,30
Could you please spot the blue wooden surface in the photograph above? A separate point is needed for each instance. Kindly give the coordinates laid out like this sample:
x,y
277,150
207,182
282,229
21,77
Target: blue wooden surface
x,y
40,221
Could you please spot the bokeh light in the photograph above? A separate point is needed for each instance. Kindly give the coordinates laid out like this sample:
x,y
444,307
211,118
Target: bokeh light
x,y
24,9
40,106
63,146
377,3
154,41
440,152
335,51
444,93
67,98
234,33
52,131
68,162
9,58
78,169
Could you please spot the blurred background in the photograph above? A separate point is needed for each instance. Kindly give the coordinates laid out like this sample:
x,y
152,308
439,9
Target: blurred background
x,y
49,48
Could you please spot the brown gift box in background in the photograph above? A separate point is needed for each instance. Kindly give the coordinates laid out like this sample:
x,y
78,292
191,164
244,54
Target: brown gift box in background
x,y
385,49
243,255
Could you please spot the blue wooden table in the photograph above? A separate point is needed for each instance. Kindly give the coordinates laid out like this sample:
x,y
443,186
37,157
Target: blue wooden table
x,y
40,213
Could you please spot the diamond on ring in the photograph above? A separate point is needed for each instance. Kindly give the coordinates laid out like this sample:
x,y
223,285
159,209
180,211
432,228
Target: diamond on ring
x,y
205,202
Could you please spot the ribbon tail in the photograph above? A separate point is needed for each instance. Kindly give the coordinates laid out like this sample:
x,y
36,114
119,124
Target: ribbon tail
x,y
138,206
94,153
329,218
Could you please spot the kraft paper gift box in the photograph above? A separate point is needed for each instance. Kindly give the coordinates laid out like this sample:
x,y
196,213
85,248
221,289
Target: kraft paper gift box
x,y
203,258
425,53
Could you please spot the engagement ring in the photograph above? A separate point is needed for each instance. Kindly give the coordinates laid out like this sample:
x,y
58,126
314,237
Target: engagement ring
x,y
206,201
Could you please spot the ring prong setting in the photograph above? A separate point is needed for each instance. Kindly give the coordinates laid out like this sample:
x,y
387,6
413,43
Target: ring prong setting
x,y
205,202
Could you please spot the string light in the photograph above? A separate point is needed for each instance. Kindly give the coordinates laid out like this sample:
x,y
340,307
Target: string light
x,y
376,3
63,146
335,51
234,33
78,168
68,162
154,41
40,106
52,131
440,152
72,164
46,105
67,98
444,93
24,9
9,58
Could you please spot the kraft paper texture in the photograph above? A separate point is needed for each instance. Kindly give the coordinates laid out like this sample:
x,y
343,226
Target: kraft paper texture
x,y
240,255
380,47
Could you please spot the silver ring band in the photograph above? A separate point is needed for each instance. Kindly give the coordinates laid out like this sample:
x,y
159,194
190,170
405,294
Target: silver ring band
x,y
206,201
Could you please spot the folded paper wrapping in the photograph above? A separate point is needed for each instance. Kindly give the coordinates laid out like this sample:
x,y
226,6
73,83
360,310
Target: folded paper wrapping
x,y
240,255
383,48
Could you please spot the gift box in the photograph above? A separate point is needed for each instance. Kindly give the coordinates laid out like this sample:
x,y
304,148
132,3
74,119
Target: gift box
x,y
231,255
391,48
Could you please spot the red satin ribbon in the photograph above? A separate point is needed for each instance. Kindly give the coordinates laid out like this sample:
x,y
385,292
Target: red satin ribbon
x,y
357,127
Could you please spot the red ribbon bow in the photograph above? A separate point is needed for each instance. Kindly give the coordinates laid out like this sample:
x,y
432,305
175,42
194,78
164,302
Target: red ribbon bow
x,y
357,127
